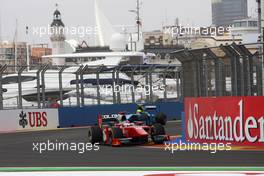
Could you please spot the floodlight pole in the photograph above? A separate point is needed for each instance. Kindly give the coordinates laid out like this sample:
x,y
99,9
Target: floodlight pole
x,y
138,20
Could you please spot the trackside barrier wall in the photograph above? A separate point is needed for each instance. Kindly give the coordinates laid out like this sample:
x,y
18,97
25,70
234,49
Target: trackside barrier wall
x,y
235,120
173,110
73,116
183,126
28,120
181,139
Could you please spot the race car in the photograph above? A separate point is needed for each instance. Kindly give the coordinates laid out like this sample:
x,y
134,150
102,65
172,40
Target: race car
x,y
150,116
124,129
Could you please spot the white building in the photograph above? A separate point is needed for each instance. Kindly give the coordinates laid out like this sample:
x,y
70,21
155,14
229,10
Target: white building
x,y
57,38
247,29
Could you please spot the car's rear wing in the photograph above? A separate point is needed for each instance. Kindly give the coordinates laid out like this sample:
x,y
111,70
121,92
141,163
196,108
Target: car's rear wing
x,y
150,107
107,119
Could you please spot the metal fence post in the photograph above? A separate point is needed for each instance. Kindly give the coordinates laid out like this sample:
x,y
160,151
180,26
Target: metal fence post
x,y
78,86
38,87
259,83
165,88
20,102
223,84
118,84
249,76
60,84
133,84
196,78
218,79
46,67
178,85
113,86
82,85
182,83
2,69
164,81
98,87
205,71
235,66
235,78
218,73
146,85
150,85
243,71
247,69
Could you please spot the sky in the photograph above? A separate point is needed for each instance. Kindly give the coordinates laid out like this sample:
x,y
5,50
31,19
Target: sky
x,y
154,13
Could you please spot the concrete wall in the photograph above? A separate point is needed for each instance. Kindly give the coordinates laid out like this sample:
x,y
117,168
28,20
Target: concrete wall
x,y
88,115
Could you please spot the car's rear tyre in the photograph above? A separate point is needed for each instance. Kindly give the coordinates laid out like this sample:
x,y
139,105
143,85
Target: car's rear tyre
x,y
157,130
161,118
95,134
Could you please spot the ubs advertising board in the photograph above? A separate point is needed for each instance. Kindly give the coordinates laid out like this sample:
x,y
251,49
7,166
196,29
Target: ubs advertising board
x,y
235,120
28,120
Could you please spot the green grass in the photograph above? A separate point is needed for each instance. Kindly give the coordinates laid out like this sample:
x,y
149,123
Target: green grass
x,y
35,169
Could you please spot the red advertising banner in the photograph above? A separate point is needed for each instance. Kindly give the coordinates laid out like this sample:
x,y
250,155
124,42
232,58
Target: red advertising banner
x,y
235,120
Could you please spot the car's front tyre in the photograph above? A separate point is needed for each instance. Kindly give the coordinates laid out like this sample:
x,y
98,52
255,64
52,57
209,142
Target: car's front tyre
x,y
95,134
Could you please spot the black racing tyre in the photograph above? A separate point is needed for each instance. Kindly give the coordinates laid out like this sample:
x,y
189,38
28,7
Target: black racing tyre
x,y
117,133
157,129
95,134
161,118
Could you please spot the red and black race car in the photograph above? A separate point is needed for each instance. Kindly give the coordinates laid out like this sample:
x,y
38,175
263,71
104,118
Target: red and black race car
x,y
117,130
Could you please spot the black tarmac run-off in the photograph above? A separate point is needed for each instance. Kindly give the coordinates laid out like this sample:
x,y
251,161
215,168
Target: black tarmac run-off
x,y
16,150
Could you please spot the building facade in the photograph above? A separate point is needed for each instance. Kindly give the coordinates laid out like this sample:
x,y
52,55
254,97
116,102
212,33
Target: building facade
x,y
36,55
247,29
13,54
224,12
161,44
158,38
57,38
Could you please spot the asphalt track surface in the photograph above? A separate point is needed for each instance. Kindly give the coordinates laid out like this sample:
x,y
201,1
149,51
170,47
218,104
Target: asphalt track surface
x,y
16,150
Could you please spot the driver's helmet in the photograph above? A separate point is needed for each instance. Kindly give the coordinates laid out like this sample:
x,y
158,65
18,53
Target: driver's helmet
x,y
121,117
139,111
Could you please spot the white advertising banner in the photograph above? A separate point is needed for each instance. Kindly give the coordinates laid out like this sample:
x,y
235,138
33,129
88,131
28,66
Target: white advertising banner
x,y
28,120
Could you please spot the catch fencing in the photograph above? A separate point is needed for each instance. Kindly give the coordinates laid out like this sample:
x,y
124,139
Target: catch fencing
x,y
226,70
79,86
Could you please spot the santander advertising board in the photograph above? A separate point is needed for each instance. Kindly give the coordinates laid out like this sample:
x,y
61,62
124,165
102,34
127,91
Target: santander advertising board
x,y
235,120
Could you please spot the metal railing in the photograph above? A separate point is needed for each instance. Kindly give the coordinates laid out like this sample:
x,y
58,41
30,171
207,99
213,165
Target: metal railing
x,y
82,85
227,70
